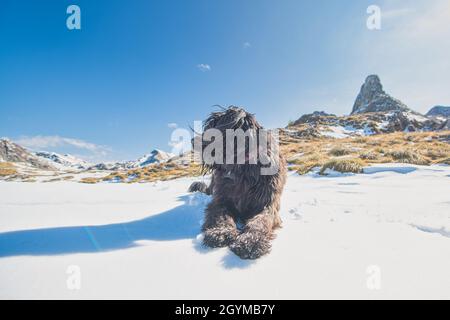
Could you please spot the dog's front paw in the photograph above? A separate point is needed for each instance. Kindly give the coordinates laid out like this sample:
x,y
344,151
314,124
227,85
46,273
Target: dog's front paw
x,y
219,237
251,245
198,187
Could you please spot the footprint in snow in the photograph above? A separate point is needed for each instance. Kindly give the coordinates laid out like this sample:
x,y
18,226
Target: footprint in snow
x,y
295,213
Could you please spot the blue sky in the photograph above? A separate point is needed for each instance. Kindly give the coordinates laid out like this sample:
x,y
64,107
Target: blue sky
x,y
109,90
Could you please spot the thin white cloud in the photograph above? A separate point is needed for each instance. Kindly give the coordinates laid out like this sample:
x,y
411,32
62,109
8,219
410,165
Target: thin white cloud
x,y
246,45
172,125
396,13
204,67
50,142
426,23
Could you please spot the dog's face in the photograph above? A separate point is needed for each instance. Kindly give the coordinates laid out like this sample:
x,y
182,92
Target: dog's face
x,y
243,151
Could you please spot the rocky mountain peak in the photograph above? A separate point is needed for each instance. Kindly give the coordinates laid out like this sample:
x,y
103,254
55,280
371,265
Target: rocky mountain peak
x,y
12,152
312,117
62,161
439,111
373,84
155,156
372,98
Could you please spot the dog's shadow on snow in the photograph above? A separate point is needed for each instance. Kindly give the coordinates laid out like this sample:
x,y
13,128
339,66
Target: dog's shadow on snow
x,y
182,222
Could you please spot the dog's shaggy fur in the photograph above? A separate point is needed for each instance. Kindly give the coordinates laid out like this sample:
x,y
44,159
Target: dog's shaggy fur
x,y
241,195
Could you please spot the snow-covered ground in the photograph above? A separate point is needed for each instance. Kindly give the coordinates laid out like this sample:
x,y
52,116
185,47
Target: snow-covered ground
x,y
340,132
382,234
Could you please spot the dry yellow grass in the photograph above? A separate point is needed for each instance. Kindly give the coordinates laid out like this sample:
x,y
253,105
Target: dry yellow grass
x,y
116,176
369,155
7,169
305,154
66,178
408,156
89,180
305,164
352,165
163,172
421,148
339,151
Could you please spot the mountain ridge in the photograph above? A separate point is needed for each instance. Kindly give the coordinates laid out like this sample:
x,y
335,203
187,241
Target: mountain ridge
x,y
46,160
374,112
12,152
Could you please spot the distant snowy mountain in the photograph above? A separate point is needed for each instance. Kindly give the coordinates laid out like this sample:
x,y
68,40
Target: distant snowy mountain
x,y
156,156
12,152
374,112
107,166
63,161
328,125
439,111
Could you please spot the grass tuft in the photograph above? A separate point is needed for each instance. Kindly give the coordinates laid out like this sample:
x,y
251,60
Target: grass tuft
x,y
339,151
89,180
369,155
343,165
408,156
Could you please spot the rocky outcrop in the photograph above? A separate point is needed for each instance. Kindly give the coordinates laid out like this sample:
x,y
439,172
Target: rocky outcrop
x,y
61,161
372,98
439,111
374,112
364,124
156,156
315,117
440,114
12,152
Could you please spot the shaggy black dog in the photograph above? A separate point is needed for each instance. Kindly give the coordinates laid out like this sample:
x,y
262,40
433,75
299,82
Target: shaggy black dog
x,y
241,194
